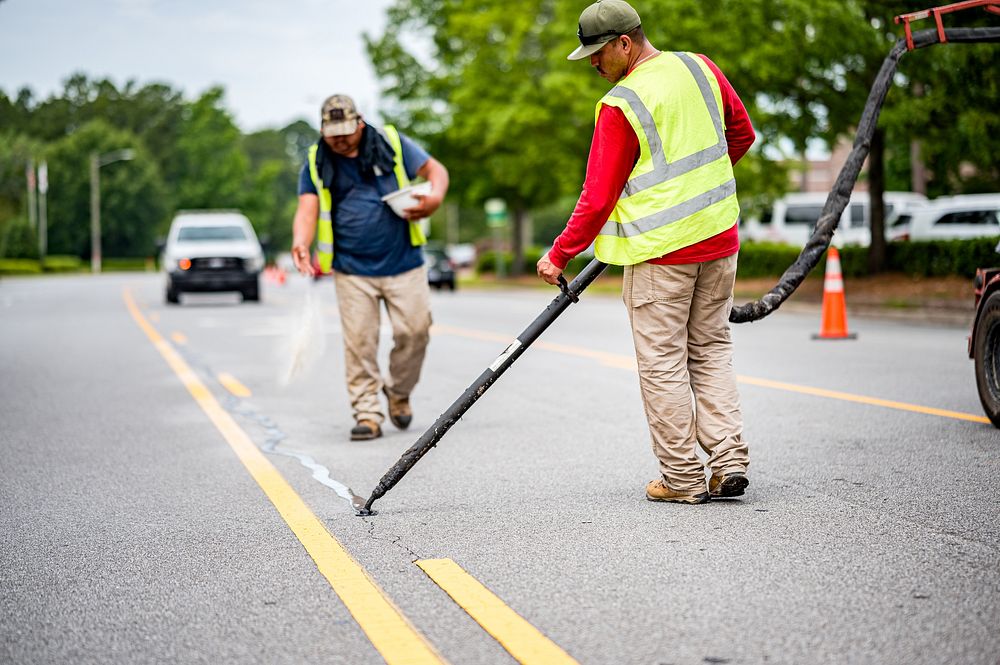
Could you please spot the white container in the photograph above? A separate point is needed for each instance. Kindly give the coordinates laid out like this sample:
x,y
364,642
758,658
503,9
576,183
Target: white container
x,y
404,199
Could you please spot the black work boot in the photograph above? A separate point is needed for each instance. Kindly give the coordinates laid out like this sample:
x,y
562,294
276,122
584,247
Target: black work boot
x,y
727,485
400,413
365,430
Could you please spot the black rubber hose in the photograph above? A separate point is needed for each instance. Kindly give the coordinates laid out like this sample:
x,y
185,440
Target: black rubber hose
x,y
841,192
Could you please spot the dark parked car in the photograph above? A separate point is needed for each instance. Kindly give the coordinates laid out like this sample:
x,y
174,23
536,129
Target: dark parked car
x,y
440,269
984,342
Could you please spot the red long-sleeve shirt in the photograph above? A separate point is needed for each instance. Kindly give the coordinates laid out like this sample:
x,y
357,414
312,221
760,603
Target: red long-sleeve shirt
x,y
613,154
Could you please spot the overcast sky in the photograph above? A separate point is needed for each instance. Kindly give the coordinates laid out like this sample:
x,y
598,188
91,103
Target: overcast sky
x,y
277,59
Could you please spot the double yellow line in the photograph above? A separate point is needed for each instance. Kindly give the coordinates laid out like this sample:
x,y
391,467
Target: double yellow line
x,y
392,635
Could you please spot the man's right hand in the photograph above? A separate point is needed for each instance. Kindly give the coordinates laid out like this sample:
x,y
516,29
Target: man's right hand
x,y
548,270
303,260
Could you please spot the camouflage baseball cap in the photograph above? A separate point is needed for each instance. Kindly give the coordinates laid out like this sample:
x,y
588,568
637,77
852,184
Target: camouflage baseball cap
x,y
600,23
339,117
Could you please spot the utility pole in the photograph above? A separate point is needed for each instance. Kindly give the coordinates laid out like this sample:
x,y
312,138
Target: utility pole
x,y
496,219
29,174
96,162
95,212
43,219
451,223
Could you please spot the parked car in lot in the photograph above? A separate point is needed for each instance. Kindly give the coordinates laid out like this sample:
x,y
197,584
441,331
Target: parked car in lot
x,y
440,269
212,250
950,218
462,255
984,341
794,216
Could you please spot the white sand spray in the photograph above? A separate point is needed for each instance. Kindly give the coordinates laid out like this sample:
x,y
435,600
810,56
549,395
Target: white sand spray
x,y
304,344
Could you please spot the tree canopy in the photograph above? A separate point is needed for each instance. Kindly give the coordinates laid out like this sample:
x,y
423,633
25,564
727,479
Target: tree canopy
x,y
486,83
188,154
486,87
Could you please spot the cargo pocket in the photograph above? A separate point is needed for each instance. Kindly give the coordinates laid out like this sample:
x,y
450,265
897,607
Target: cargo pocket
x,y
721,278
637,288
672,283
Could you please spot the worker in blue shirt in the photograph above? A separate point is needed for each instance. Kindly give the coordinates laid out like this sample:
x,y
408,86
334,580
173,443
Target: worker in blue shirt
x,y
375,255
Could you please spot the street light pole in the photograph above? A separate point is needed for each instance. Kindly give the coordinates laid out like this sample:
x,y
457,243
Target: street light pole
x,y
96,162
95,213
43,218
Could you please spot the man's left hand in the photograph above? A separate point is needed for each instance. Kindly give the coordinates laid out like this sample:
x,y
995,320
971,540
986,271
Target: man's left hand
x,y
547,270
426,205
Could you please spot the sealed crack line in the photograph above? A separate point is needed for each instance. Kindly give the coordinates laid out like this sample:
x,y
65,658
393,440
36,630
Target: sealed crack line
x,y
275,436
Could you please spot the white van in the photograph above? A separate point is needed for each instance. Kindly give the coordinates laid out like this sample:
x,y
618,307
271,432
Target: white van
x,y
794,216
950,218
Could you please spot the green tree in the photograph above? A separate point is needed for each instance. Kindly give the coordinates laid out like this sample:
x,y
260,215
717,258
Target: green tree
x,y
513,118
18,240
500,104
16,152
210,168
952,93
275,158
133,202
500,109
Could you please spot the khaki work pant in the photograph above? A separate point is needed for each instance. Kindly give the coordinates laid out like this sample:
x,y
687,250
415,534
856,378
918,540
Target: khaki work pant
x,y
680,325
407,300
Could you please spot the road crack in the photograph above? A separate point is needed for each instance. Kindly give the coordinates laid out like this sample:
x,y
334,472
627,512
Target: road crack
x,y
392,539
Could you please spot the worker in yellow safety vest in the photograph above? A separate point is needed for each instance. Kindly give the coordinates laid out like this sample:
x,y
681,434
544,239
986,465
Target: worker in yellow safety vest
x,y
660,200
374,253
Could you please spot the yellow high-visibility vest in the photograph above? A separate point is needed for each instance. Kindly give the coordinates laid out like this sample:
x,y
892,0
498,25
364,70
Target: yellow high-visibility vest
x,y
681,190
324,225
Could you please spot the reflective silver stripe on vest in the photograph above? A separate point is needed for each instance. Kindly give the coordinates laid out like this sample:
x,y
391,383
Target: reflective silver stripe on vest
x,y
325,247
325,215
661,170
670,215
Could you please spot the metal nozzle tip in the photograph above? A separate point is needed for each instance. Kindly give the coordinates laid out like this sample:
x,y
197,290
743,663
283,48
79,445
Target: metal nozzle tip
x,y
365,512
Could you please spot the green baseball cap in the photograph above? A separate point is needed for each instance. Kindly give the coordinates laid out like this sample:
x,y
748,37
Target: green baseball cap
x,y
600,23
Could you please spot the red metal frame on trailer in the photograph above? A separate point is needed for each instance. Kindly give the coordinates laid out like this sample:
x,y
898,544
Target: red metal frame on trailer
x,y
937,12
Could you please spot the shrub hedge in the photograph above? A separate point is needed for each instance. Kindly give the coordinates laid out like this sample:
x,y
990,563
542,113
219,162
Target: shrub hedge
x,y
19,267
934,258
62,264
127,265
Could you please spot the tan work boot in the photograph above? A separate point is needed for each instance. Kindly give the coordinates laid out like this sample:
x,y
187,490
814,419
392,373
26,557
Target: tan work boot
x,y
400,412
728,485
365,430
657,490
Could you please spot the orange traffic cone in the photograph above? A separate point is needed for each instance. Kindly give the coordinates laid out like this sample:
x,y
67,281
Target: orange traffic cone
x,y
834,323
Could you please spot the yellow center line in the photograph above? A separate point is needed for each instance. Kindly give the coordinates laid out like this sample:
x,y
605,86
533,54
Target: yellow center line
x,y
521,640
628,362
861,399
388,630
230,383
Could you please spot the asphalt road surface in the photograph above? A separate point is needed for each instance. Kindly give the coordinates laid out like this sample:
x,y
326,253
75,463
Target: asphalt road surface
x,y
166,496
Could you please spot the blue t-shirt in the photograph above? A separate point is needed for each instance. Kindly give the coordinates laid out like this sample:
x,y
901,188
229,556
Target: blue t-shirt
x,y
368,237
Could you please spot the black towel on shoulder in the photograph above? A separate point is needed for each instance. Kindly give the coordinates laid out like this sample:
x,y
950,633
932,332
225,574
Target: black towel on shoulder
x,y
374,151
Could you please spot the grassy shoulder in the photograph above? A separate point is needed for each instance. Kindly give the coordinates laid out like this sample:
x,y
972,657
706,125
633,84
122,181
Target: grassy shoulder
x,y
71,264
